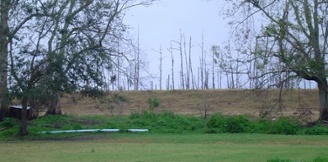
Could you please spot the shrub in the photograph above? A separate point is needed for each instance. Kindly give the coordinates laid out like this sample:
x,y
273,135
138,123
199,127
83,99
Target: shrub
x,y
153,103
318,129
52,121
279,160
144,119
242,124
8,128
92,92
259,126
8,123
12,132
284,126
321,159
227,124
166,122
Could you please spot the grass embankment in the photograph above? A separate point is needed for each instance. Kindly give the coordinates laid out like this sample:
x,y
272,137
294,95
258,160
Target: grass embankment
x,y
194,102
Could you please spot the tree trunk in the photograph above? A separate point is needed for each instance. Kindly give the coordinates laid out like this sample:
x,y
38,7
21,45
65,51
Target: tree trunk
x,y
23,122
54,107
323,101
4,31
172,65
160,67
182,80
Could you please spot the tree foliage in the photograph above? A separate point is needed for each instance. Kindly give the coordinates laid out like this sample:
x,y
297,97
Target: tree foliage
x,y
294,34
60,46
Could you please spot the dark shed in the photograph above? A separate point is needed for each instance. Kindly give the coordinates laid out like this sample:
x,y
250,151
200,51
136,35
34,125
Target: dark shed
x,y
15,111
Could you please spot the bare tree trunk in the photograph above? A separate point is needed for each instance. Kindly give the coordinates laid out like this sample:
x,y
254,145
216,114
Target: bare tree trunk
x,y
190,66
168,82
228,80
232,78
219,79
4,31
202,64
323,101
219,73
237,84
201,73
206,79
187,80
182,80
137,65
151,85
172,64
23,122
213,71
54,107
251,74
118,79
198,78
160,67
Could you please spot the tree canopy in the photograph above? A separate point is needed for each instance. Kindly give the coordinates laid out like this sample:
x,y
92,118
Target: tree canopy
x,y
292,33
51,47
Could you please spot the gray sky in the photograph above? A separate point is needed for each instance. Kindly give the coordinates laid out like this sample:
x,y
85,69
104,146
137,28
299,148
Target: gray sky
x,y
162,22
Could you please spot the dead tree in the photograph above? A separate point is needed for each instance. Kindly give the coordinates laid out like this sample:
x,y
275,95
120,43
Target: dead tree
x,y
160,67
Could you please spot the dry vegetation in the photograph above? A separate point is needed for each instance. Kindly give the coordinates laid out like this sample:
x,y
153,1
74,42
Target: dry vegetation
x,y
197,102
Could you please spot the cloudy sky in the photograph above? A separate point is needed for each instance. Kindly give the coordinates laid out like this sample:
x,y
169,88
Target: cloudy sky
x,y
162,22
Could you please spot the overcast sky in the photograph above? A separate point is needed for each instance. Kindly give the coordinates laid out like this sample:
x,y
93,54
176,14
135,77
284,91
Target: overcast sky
x,y
162,22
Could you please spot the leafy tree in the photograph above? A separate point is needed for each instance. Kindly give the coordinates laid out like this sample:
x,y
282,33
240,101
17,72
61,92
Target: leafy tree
x,y
11,21
294,33
63,47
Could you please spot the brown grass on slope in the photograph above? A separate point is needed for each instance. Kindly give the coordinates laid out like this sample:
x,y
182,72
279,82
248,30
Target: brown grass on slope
x,y
194,102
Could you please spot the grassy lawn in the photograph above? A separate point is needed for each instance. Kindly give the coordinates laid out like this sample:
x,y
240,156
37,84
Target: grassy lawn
x,y
169,147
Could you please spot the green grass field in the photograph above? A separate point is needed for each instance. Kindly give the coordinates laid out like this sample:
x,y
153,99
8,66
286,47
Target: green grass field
x,y
169,147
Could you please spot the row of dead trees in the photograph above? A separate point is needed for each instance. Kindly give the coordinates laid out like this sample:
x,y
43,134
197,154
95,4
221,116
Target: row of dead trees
x,y
196,67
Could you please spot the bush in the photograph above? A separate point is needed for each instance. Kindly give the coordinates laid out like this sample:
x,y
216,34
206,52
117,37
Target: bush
x,y
8,128
318,129
8,123
51,121
284,126
165,122
12,132
92,92
259,126
321,159
278,160
153,103
242,124
227,124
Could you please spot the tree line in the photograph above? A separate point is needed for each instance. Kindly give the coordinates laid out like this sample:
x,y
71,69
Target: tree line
x,y
187,64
